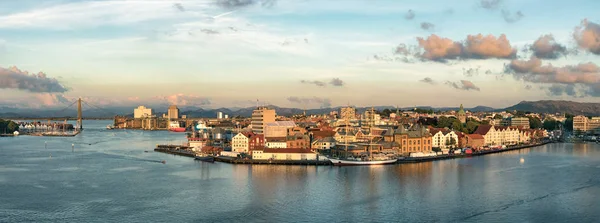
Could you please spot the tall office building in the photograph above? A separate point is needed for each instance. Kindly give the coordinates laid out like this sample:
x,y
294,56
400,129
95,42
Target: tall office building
x,y
260,117
173,112
142,112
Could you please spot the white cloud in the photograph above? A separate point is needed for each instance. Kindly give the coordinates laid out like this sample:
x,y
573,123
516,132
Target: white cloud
x,y
97,13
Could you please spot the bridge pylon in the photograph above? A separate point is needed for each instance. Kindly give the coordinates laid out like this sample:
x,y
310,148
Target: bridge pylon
x,y
79,115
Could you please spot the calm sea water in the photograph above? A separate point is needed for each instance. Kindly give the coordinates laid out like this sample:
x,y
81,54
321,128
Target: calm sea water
x,y
110,178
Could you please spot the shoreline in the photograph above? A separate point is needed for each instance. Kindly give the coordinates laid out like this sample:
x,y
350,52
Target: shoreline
x,y
177,150
482,153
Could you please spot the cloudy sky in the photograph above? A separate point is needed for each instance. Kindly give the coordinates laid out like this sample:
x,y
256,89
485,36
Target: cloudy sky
x,y
300,53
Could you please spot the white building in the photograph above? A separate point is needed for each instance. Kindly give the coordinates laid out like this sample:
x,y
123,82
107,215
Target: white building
x,y
219,115
275,142
284,154
443,138
239,143
499,135
142,112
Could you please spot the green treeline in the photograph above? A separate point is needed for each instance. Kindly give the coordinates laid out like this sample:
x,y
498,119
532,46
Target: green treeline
x,y
8,126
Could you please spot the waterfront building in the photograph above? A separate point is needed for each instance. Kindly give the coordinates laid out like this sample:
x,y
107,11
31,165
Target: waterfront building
x,y
348,113
284,154
278,128
498,135
256,141
461,115
276,142
586,125
475,140
173,112
239,143
142,112
414,139
443,138
260,117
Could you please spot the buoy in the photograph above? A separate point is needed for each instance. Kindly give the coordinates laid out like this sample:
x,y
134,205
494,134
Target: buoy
x,y
522,160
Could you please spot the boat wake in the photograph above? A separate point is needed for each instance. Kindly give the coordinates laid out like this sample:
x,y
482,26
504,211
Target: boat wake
x,y
520,202
131,158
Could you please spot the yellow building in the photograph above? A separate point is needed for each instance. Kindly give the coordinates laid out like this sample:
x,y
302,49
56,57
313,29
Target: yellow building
x,y
260,117
586,125
173,112
142,112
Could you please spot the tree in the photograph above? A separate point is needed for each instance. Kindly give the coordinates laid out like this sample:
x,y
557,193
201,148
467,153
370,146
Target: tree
x,y
457,126
471,126
550,124
568,125
8,126
445,122
535,123
498,116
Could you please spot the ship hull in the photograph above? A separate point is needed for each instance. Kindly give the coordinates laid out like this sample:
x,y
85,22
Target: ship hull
x,y
177,129
338,162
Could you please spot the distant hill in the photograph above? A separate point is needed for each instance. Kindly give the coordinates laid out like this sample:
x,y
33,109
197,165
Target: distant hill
x,y
550,106
196,112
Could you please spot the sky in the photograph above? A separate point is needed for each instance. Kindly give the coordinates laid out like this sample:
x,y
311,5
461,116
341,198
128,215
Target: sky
x,y
298,53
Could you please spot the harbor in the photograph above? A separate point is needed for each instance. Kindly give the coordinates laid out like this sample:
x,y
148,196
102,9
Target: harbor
x,y
188,152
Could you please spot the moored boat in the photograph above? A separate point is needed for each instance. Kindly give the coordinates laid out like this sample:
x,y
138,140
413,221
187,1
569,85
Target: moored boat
x,y
174,127
205,158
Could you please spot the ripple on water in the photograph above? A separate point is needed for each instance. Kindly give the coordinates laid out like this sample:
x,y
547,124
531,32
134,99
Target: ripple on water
x,y
125,169
13,169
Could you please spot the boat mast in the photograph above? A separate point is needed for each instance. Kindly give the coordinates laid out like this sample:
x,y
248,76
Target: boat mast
x,y
346,121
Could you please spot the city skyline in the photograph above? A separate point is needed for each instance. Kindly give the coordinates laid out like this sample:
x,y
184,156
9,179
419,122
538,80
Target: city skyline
x,y
298,53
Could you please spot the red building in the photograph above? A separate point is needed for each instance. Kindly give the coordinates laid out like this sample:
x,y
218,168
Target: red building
x,y
256,141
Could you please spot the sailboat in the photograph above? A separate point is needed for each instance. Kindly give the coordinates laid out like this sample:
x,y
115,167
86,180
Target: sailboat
x,y
370,160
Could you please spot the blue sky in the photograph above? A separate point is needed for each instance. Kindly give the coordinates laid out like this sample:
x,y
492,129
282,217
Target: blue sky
x,y
151,52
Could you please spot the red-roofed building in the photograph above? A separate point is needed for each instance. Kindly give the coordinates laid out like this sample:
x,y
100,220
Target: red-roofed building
x,y
257,141
475,140
244,142
322,134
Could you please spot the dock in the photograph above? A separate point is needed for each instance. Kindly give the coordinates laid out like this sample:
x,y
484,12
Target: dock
x,y
175,150
452,156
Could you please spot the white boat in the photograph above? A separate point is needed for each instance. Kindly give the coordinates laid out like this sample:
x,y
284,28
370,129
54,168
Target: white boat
x,y
344,162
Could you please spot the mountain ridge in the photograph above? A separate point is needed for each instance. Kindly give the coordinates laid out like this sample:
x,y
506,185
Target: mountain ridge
x,y
542,106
